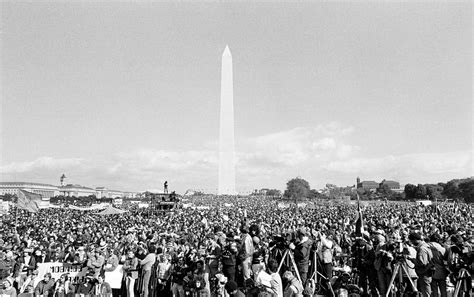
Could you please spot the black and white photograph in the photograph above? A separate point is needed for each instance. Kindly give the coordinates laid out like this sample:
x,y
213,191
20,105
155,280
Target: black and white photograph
x,y
236,148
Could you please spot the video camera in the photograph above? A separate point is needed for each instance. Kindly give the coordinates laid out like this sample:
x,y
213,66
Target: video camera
x,y
282,242
464,257
399,252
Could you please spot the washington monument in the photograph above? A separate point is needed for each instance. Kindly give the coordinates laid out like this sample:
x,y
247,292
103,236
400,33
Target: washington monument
x,y
226,132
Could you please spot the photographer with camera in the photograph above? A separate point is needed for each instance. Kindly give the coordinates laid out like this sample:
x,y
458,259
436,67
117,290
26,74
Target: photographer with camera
x,y
364,256
302,250
460,264
382,262
424,266
438,283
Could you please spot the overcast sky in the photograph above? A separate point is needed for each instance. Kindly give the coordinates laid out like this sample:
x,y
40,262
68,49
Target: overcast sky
x,y
126,95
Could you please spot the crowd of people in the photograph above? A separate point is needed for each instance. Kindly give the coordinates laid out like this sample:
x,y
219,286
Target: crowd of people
x,y
244,246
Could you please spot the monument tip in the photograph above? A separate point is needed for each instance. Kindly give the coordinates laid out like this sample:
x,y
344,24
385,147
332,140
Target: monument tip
x,y
227,51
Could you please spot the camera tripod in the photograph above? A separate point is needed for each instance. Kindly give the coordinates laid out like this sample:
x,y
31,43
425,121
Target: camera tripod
x,y
398,270
288,254
463,277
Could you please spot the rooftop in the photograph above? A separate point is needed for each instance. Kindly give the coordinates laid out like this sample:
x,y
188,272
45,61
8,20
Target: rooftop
x,y
25,184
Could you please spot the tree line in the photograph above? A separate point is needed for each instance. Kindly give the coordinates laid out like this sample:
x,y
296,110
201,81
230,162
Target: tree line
x,y
456,189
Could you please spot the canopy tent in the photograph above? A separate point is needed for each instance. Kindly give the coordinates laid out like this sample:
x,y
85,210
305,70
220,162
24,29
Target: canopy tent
x,y
111,211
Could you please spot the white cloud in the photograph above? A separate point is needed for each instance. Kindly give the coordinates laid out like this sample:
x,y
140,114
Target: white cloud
x,y
42,163
421,167
297,147
320,154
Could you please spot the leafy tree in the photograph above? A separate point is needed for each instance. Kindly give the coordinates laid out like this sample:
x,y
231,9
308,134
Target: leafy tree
x,y
410,191
314,194
434,192
297,188
420,192
467,190
451,190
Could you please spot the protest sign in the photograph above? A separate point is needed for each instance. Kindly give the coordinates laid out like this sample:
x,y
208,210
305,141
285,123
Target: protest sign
x,y
76,272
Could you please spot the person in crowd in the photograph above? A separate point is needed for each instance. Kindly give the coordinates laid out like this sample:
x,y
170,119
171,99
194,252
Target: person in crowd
x,y
214,253
8,289
63,287
460,262
102,288
146,265
130,267
229,259
220,286
233,290
276,288
302,251
163,273
178,272
363,262
258,257
294,287
95,261
438,282
382,262
86,287
80,257
325,252
424,266
28,285
27,262
246,251
112,260
45,287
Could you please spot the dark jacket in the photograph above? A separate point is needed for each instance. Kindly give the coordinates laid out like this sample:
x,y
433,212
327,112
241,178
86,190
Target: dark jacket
x,y
302,253
45,288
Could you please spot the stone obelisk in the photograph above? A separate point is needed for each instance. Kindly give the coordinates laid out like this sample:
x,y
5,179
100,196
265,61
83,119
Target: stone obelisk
x,y
226,132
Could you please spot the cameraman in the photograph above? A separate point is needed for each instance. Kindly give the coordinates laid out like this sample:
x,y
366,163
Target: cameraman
x,y
364,256
440,272
424,266
460,257
302,250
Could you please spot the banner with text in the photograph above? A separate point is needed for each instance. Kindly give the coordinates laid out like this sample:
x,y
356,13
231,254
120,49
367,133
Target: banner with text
x,y
76,273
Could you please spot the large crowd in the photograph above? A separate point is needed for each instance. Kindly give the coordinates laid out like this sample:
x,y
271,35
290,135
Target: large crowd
x,y
243,247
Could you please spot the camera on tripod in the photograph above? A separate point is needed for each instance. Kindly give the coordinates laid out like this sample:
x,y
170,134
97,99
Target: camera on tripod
x,y
282,242
399,252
